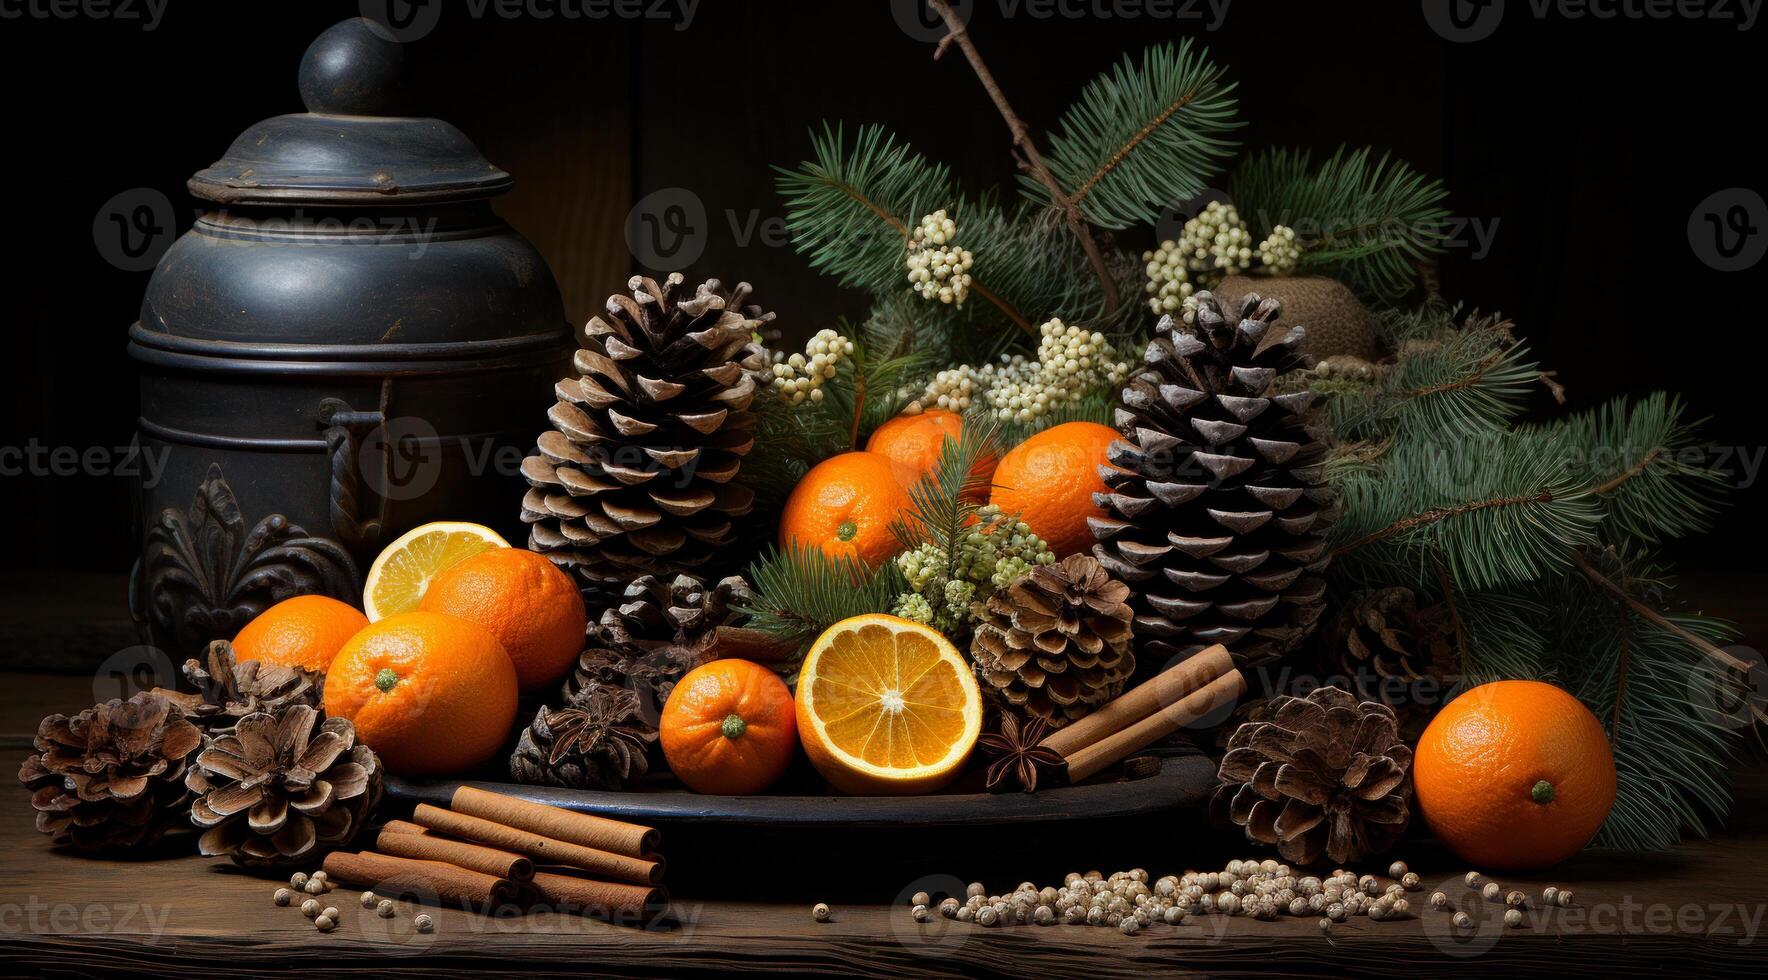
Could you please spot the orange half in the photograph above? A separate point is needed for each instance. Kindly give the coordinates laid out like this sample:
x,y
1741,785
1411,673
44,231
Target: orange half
x,y
887,706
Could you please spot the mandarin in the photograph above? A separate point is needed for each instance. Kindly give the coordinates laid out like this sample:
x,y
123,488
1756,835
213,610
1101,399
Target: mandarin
x,y
1049,481
524,600
844,507
306,631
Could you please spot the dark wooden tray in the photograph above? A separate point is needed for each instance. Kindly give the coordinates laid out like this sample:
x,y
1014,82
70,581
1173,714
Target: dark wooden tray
x,y
1181,782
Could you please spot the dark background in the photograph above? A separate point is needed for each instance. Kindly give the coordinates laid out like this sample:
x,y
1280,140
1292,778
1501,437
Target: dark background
x,y
1586,145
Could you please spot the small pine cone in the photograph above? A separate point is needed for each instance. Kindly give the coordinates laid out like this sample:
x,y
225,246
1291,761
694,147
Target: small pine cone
x,y
112,776
1320,775
1056,642
275,791
228,689
658,631
1217,508
1385,643
598,740
637,475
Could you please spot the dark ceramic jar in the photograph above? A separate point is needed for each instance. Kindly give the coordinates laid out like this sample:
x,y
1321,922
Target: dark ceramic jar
x,y
347,344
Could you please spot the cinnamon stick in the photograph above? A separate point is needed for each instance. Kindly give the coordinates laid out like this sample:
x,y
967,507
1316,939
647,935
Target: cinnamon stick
x,y
473,857
403,827
598,899
582,829
1114,747
543,849
391,875
1164,689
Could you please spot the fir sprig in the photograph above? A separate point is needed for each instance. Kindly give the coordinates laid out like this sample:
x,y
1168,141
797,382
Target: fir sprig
x,y
1369,220
1147,135
799,592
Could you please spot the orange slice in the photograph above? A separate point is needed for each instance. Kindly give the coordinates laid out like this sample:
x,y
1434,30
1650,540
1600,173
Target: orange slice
x,y
887,706
399,577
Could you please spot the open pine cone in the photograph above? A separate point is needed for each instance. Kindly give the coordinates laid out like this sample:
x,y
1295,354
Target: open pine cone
x,y
274,791
1217,511
659,631
1325,774
228,689
1385,642
1056,642
636,475
112,776
598,740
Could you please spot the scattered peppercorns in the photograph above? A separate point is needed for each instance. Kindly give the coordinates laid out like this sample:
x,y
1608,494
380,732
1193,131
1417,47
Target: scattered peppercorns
x,y
1516,899
1513,918
1410,882
385,908
331,912
1462,920
298,880
922,913
424,923
325,923
370,900
1396,869
310,908
1472,879
1565,898
283,896
1550,896
820,912
1492,892
921,898
1439,901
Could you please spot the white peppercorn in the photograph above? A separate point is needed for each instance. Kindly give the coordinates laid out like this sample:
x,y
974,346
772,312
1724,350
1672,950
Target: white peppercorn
x,y
298,880
1396,869
965,914
1173,915
1128,925
1492,892
314,886
331,912
1550,896
1439,901
949,908
385,908
1410,881
921,898
1565,898
1326,926
283,896
1516,899
1462,920
974,889
986,916
370,900
1044,916
1472,879
310,907
325,923
424,923
921,913
1513,918
820,912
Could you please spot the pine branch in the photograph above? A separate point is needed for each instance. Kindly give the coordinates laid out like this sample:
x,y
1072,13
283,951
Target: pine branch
x,y
801,592
1459,382
1373,223
1145,136
958,32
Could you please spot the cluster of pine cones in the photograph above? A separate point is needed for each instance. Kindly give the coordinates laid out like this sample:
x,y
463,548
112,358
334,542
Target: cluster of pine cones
x,y
248,759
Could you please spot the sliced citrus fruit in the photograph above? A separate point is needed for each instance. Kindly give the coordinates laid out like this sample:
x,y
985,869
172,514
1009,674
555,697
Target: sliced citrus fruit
x,y
398,578
887,706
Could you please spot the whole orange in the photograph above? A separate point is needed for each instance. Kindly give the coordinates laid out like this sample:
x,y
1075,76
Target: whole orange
x,y
306,631
917,440
1049,481
729,727
1514,775
844,507
524,600
432,694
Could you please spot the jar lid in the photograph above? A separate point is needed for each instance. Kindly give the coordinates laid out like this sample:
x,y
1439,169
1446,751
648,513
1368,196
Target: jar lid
x,y
351,146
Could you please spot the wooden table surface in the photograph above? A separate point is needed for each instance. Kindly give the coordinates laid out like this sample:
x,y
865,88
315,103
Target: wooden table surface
x,y
1697,910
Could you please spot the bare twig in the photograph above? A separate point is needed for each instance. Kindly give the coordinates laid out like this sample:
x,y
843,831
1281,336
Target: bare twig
x,y
1662,622
957,33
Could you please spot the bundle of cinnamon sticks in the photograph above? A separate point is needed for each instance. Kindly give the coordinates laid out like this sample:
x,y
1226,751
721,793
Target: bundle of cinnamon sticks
x,y
1178,696
489,851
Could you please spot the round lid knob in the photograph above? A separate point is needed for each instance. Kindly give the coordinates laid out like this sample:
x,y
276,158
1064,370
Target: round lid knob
x,y
353,69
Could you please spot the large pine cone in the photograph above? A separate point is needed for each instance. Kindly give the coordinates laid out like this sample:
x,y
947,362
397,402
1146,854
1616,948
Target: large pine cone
x,y
112,776
228,689
598,740
1325,774
1056,642
1217,517
274,792
637,475
659,631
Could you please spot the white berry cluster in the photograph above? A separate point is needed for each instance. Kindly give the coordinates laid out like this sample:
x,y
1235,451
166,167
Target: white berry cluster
x,y
953,389
1280,252
1070,362
1169,281
938,268
1129,902
1216,241
996,550
801,376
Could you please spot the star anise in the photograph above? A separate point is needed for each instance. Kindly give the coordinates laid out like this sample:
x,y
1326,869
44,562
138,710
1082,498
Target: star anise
x,y
604,716
1018,753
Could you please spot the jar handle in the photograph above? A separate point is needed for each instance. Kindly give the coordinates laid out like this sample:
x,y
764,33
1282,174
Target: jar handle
x,y
346,428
